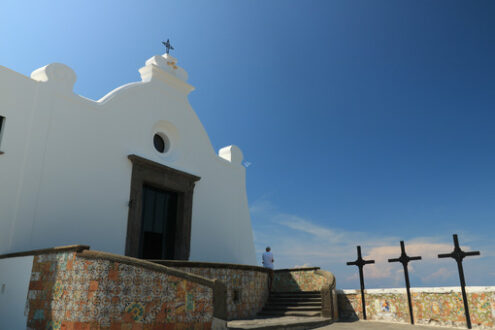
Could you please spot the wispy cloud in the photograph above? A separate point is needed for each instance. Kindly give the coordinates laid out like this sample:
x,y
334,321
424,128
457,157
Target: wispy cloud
x,y
442,274
296,241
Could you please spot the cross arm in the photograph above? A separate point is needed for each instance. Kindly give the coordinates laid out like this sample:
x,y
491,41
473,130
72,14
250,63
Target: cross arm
x,y
404,259
446,255
461,254
360,262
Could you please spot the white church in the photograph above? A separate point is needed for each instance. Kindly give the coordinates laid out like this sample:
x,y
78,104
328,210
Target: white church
x,y
133,173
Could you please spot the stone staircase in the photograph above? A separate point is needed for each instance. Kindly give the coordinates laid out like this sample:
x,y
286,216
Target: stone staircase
x,y
303,303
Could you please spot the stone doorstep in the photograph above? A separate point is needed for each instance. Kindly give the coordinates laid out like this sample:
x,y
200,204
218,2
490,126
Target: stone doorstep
x,y
283,322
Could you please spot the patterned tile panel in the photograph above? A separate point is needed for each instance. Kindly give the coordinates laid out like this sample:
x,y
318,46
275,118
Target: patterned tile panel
x,y
298,280
437,308
349,306
482,308
387,307
247,290
69,292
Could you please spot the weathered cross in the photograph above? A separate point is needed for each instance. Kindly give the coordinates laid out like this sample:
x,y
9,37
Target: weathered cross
x,y
360,262
458,255
404,260
168,46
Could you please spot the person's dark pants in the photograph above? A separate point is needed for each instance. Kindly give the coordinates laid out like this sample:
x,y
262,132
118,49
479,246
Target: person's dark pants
x,y
270,279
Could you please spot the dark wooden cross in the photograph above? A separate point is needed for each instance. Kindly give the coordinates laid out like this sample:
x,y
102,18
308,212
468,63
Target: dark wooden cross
x,y
168,46
360,262
458,255
404,260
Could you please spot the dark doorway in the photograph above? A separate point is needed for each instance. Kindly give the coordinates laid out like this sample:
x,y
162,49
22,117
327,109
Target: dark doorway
x,y
167,231
159,224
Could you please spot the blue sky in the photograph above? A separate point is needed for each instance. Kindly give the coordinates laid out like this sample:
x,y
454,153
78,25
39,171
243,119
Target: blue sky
x,y
364,122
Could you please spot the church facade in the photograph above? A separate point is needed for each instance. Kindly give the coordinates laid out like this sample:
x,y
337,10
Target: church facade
x,y
133,173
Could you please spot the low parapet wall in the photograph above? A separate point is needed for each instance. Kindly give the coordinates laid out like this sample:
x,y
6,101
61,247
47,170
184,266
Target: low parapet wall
x,y
73,287
247,286
76,288
298,279
437,306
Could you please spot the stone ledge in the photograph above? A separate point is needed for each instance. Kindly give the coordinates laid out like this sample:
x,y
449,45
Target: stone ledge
x,y
302,269
57,249
202,264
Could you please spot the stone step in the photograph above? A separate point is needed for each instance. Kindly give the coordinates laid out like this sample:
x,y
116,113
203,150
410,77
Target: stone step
x,y
289,299
291,308
297,293
293,303
295,297
293,292
290,313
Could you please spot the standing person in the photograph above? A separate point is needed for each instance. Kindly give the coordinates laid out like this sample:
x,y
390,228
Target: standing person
x,y
267,260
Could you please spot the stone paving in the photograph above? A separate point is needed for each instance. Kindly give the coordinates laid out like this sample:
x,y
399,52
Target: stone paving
x,y
375,325
283,322
295,322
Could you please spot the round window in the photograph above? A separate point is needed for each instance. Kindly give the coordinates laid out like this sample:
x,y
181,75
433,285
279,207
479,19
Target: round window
x,y
161,143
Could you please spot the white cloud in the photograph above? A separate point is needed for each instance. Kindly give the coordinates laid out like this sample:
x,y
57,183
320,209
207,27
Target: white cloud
x,y
442,274
261,206
296,240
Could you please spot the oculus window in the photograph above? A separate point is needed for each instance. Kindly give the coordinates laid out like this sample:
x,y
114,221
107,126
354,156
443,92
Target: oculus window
x,y
161,143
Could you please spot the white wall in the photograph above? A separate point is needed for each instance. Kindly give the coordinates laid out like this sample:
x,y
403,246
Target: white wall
x,y
15,274
65,176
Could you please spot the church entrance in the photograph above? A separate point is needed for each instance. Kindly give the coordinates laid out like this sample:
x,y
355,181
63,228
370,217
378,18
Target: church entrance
x,y
160,211
159,223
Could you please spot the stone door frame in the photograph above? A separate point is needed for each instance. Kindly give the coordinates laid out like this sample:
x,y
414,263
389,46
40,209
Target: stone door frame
x,y
147,172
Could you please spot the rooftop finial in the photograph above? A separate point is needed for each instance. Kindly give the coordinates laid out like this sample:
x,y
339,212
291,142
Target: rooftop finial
x,y
168,46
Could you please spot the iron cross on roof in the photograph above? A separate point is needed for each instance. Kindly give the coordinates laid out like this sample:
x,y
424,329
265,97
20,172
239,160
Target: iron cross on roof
x,y
168,46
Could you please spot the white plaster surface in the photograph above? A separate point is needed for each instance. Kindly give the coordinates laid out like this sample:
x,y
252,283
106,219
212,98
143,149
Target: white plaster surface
x,y
65,176
15,274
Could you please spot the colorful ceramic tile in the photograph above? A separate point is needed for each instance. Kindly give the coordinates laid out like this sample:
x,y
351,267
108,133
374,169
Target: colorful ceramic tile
x,y
84,293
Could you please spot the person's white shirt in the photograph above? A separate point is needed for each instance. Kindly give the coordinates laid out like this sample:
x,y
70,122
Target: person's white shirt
x,y
268,260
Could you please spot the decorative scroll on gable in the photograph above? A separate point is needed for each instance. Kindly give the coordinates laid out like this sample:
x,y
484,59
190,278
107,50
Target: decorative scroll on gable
x,y
56,74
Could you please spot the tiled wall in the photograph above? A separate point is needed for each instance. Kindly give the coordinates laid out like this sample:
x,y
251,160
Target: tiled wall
x,y
298,280
70,292
439,306
247,290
